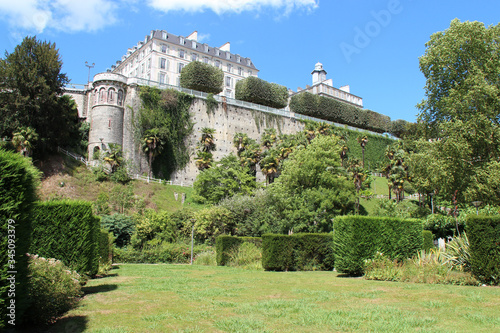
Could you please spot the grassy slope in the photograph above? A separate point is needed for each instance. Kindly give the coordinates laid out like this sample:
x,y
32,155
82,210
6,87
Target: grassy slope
x,y
183,298
79,184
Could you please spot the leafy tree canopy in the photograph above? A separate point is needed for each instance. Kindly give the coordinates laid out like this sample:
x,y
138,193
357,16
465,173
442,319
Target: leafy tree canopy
x,y
225,179
31,85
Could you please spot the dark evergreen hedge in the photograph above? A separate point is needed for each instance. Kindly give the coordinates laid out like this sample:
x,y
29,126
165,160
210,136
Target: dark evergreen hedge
x,y
68,231
225,244
297,252
484,246
340,112
202,77
18,183
428,240
255,90
357,238
105,247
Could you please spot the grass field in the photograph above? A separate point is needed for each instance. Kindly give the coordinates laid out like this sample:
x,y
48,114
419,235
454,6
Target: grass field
x,y
183,298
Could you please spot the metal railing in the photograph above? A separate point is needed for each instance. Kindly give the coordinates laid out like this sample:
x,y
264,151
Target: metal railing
x,y
94,163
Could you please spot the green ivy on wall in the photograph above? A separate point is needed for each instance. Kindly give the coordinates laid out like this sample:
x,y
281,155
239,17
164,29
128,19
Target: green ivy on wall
x,y
167,113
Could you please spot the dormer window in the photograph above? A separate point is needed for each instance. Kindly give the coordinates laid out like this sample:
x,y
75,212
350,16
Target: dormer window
x,y
181,41
193,44
164,34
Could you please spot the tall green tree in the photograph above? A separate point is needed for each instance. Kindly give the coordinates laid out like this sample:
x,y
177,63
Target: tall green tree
x,y
312,188
31,87
460,110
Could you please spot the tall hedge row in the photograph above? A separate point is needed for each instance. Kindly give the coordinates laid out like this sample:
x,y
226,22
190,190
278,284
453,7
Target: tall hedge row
x,y
357,238
18,183
68,231
484,246
202,77
340,112
258,91
224,245
105,247
297,252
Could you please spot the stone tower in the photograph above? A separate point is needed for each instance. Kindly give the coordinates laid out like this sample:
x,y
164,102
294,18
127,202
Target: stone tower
x,y
107,112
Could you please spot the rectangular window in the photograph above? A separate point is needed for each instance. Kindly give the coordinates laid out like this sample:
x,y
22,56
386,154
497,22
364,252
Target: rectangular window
x,y
181,54
194,57
164,48
217,63
228,81
229,68
164,35
240,71
193,44
206,60
181,66
162,78
163,63
250,73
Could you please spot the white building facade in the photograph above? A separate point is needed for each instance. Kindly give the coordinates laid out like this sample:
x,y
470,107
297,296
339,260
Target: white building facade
x,y
162,55
323,87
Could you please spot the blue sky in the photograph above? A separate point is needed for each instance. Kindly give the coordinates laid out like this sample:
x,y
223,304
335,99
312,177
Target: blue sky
x,y
373,46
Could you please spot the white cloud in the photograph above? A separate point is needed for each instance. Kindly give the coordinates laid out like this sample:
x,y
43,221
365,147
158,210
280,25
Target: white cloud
x,y
65,15
202,38
237,6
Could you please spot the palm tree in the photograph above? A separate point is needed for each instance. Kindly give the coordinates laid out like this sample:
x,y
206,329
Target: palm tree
x,y
363,140
24,140
250,157
203,160
240,141
152,144
114,156
207,139
269,165
359,175
268,138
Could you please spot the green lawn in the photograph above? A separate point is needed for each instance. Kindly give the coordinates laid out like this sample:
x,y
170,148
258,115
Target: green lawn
x,y
183,298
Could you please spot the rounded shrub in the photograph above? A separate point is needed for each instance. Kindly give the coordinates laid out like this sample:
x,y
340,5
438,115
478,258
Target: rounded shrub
x,y
202,77
53,289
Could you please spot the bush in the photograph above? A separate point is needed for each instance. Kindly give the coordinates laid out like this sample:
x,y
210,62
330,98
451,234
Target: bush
x,y
225,245
67,230
53,289
425,267
206,258
202,77
484,236
246,255
443,226
121,226
18,183
105,247
297,252
156,251
255,90
340,112
428,240
358,238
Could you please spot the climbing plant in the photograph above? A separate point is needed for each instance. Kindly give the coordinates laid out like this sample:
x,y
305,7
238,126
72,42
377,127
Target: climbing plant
x,y
167,113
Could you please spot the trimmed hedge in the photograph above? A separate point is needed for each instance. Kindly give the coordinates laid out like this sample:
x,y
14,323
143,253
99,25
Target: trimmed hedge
x,y
255,90
224,245
18,183
105,247
484,246
357,238
334,110
202,77
297,252
68,231
428,240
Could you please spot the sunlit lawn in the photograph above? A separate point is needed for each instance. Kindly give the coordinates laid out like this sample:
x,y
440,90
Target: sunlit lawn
x,y
183,298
